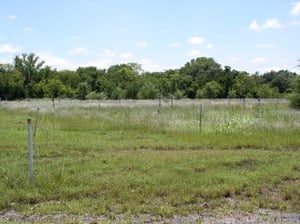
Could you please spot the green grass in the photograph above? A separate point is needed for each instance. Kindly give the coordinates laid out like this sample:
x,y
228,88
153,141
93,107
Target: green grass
x,y
132,160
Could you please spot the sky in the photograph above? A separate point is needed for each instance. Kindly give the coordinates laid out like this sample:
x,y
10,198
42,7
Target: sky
x,y
247,35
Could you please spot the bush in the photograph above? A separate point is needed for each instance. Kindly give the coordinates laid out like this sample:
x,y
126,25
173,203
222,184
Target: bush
x,y
96,96
295,101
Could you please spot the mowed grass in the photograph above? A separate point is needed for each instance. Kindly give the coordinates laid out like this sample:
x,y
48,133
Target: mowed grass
x,y
133,160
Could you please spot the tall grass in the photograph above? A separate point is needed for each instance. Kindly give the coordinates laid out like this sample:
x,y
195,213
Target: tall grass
x,y
125,157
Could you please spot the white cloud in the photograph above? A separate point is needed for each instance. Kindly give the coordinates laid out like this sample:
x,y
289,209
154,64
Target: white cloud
x,y
126,55
196,40
12,17
259,60
107,58
79,50
57,62
149,65
174,45
141,43
209,46
267,46
269,24
8,48
101,63
296,9
254,26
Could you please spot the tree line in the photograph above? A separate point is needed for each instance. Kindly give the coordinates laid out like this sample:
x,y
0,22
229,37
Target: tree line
x,y
29,77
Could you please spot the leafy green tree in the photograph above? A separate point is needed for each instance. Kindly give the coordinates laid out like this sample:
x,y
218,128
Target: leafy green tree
x,y
269,76
82,90
149,88
148,91
89,75
210,90
160,80
174,82
201,77
45,73
133,89
105,86
121,75
177,84
55,88
201,70
232,93
244,85
204,69
29,66
68,78
118,93
40,89
11,83
137,68
295,96
283,80
267,91
227,80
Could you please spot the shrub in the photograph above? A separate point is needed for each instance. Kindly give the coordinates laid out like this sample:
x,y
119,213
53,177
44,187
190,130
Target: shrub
x,y
96,96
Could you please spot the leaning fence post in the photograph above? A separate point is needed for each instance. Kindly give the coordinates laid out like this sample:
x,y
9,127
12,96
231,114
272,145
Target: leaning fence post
x,y
30,149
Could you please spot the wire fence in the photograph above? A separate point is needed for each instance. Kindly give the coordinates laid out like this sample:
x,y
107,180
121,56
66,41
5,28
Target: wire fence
x,y
46,105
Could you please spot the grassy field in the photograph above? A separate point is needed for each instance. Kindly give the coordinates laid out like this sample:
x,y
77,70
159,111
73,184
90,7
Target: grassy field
x,y
124,157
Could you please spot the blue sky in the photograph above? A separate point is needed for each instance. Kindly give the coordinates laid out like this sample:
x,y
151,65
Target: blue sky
x,y
248,35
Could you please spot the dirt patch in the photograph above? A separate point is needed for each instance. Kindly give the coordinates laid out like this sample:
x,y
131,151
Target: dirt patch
x,y
260,216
